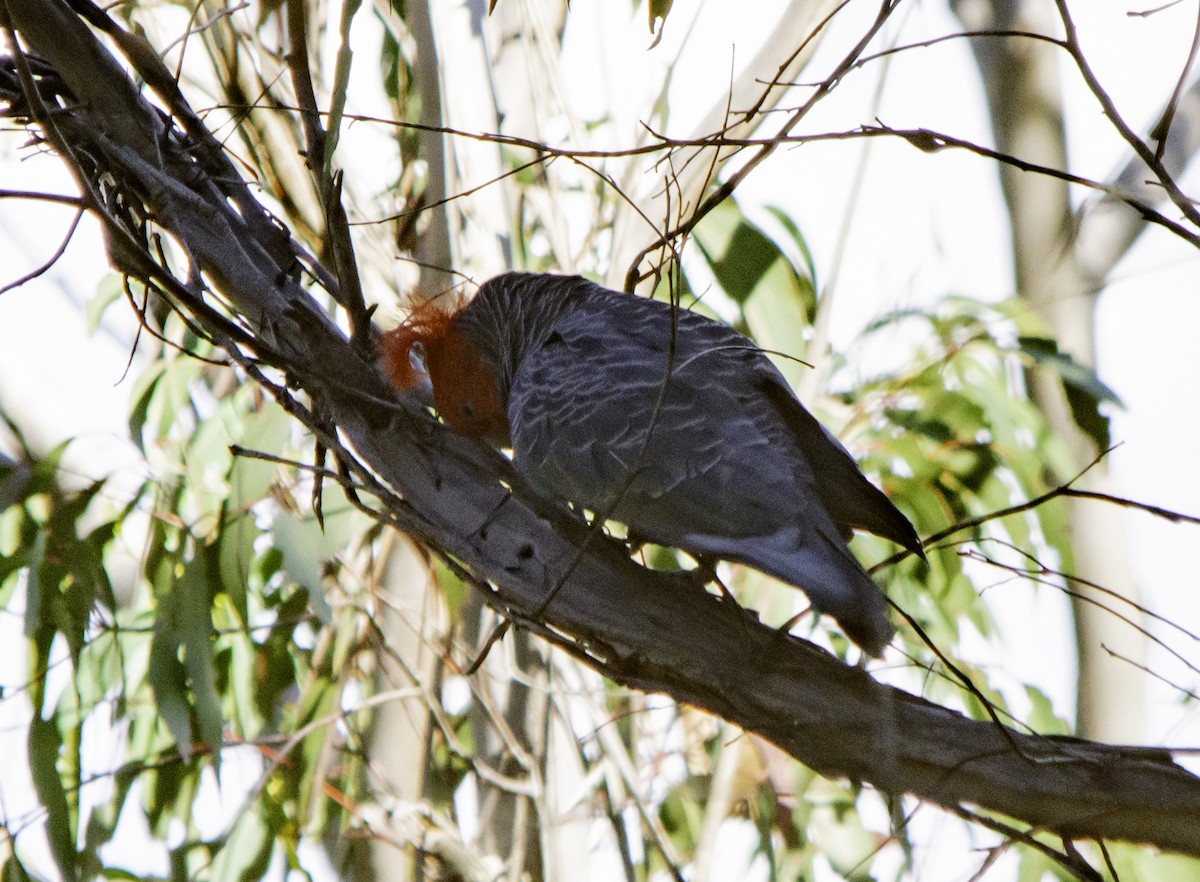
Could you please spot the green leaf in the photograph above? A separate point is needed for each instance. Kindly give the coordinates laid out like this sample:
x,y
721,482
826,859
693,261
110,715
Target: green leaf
x,y
45,742
168,681
785,220
776,297
14,478
267,429
277,658
839,829
235,538
1159,867
208,462
307,549
393,66
44,478
657,11
144,390
243,679
1033,866
1084,389
246,854
109,290
738,252
14,870
193,606
34,559
1042,717
160,395
777,313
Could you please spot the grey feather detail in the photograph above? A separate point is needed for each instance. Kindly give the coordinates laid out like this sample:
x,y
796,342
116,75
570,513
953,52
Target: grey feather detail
x,y
819,563
694,441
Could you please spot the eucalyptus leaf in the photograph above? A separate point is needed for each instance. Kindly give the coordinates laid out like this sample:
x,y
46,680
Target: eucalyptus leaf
x,y
194,599
1084,389
246,854
108,292
45,744
168,680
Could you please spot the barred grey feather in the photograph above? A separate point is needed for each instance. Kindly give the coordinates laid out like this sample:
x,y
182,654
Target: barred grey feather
x,y
682,429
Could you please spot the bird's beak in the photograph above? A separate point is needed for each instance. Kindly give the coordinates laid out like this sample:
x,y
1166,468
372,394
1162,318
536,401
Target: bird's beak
x,y
402,357
422,389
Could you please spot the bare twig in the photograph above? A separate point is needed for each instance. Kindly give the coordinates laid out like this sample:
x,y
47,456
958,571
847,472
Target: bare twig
x,y
1079,596
634,275
1152,158
54,258
1162,129
1145,669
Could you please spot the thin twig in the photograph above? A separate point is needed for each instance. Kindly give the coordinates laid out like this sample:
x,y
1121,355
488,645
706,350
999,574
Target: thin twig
x,y
1162,129
1085,598
1145,669
1152,160
54,258
961,35
1072,863
39,196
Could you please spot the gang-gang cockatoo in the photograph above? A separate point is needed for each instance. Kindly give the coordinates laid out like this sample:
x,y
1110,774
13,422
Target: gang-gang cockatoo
x,y
662,419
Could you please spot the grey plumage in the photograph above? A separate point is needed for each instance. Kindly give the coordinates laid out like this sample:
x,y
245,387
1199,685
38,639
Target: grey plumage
x,y
682,429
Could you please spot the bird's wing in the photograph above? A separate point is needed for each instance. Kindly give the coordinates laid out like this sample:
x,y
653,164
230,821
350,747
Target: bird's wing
x,y
598,417
698,455
851,500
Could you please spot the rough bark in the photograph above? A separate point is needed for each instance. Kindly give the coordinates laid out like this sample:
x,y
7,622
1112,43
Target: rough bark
x,y
651,631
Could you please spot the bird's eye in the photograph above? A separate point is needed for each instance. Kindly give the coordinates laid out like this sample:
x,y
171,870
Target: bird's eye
x,y
416,357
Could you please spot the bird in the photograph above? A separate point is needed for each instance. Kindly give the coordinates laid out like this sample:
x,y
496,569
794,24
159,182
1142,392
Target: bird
x,y
660,418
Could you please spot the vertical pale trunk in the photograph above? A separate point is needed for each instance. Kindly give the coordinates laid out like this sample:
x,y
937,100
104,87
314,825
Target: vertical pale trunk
x,y
1022,81
413,621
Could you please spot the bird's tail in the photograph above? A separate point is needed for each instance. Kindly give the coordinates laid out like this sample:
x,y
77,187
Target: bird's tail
x,y
825,569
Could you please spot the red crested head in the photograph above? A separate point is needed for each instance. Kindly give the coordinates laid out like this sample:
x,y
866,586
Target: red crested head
x,y
429,350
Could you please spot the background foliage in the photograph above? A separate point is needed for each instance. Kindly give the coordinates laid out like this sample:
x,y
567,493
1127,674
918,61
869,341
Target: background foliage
x,y
221,685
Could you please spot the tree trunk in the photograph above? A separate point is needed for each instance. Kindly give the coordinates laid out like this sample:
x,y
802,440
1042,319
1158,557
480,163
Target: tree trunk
x,y
1025,99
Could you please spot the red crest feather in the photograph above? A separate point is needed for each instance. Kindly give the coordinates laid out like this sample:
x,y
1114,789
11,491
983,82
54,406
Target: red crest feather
x,y
427,323
463,383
